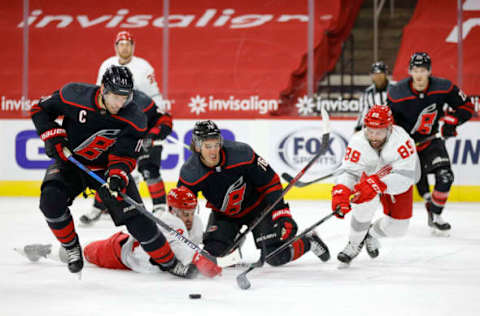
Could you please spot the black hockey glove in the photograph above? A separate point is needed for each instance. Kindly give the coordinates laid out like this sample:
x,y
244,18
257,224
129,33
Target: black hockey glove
x,y
147,142
284,225
55,140
117,181
449,128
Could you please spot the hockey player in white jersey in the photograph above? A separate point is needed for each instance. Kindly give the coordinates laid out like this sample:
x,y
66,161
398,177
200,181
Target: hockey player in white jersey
x,y
143,73
380,167
122,251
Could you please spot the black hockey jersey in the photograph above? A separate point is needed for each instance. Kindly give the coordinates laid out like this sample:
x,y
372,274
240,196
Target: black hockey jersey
x,y
419,112
95,137
241,183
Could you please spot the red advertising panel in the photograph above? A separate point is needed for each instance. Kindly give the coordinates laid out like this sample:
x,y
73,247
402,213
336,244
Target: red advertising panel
x,y
433,29
226,58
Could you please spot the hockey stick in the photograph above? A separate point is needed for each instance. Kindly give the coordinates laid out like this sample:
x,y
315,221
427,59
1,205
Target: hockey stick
x,y
159,142
429,138
141,208
242,280
323,148
301,184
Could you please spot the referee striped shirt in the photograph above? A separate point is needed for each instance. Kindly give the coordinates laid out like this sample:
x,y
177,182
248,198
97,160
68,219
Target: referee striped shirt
x,y
371,97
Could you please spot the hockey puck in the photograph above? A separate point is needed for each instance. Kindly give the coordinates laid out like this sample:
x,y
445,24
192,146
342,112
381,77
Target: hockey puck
x,y
195,296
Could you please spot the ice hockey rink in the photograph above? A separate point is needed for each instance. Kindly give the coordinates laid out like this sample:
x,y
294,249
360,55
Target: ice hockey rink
x,y
420,274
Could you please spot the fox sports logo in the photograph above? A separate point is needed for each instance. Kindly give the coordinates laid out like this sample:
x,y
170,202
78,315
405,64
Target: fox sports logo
x,y
299,147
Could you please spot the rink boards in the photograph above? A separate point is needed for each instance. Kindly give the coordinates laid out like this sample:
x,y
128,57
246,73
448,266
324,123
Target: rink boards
x,y
287,145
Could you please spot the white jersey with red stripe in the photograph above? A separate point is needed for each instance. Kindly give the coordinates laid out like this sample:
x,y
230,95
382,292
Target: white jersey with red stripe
x,y
396,163
134,257
143,77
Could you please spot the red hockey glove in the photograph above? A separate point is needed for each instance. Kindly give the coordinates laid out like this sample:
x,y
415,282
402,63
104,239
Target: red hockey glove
x,y
206,267
341,200
368,188
284,225
449,128
55,140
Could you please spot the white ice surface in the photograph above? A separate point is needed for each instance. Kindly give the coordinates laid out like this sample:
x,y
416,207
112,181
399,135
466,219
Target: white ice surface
x,y
419,274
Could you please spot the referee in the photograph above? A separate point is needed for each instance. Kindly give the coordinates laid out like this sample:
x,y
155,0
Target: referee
x,y
376,93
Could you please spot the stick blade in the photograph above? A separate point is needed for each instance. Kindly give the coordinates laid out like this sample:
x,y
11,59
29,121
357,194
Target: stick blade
x,y
243,282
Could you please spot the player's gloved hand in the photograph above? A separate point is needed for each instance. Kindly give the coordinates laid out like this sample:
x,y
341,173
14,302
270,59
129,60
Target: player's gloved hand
x,y
166,125
284,225
206,267
147,142
449,128
368,188
341,200
117,181
55,140
163,127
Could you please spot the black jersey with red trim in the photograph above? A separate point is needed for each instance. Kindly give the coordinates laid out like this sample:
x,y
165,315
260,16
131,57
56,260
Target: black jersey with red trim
x,y
241,182
419,112
96,138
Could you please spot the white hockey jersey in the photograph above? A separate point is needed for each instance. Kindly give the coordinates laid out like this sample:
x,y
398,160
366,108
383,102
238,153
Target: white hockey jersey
x,y
143,77
134,257
398,152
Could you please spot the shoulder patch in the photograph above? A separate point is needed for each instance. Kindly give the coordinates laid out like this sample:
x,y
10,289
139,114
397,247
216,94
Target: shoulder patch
x,y
237,153
400,90
192,171
440,84
79,94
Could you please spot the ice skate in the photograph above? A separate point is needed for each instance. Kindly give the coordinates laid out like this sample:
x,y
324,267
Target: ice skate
x,y
34,252
350,251
438,225
73,256
372,245
318,247
92,216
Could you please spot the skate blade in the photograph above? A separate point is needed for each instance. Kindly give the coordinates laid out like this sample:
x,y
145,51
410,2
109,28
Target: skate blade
x,y
343,265
440,233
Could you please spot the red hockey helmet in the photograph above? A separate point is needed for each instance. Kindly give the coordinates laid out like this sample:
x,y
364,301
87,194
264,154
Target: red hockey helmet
x,y
124,35
379,116
181,198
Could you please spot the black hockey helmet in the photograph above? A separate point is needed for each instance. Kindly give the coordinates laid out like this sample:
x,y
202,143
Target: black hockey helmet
x,y
204,130
118,80
379,67
420,59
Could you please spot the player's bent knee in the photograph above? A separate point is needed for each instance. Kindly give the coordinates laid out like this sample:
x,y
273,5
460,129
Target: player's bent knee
x,y
53,200
280,259
444,177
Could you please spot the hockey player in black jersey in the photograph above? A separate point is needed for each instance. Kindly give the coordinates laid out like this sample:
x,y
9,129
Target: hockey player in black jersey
x,y
417,104
159,125
103,129
238,185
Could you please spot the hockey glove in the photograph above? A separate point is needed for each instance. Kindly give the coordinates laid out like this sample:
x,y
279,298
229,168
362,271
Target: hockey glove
x,y
284,225
341,200
117,181
147,142
55,140
206,267
449,128
162,128
368,188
